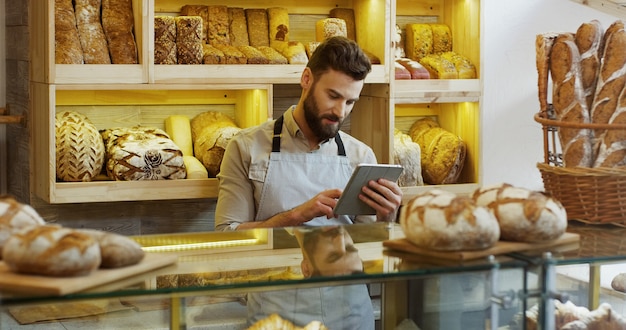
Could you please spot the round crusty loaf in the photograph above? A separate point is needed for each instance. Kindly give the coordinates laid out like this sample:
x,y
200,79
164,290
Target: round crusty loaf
x,y
51,251
524,215
79,147
116,250
441,220
442,152
211,131
15,216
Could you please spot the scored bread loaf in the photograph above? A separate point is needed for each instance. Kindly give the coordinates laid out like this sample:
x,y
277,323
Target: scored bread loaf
x,y
330,27
189,43
569,102
407,153
347,15
201,11
118,25
92,39
51,251
442,152
142,153
441,220
278,25
609,104
165,40
115,250
67,49
258,26
237,27
211,131
15,216
524,215
79,147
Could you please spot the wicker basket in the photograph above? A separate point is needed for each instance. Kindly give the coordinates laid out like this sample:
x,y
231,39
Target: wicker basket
x,y
590,195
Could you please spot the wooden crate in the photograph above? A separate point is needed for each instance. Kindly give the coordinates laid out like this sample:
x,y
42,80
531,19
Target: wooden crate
x,y
42,46
372,25
114,106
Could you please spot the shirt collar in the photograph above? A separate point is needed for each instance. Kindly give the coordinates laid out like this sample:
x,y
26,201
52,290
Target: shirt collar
x,y
293,128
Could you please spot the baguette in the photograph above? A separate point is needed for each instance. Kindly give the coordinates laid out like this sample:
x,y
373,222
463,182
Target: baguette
x,y
117,23
588,39
92,39
569,102
608,106
543,46
67,49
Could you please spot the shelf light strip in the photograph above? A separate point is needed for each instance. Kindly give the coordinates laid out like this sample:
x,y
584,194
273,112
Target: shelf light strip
x,y
204,245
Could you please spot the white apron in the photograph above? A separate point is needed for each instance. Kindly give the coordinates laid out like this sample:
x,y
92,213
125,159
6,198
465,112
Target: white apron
x,y
291,180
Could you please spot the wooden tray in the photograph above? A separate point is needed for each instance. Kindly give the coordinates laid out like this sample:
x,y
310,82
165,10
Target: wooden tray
x,y
46,285
501,247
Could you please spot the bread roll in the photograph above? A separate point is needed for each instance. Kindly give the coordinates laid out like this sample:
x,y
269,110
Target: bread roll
x,y
118,25
15,216
618,282
201,11
407,153
211,131
569,102
258,26
442,152
237,27
524,215
67,49
79,147
441,220
347,15
115,250
51,251
92,39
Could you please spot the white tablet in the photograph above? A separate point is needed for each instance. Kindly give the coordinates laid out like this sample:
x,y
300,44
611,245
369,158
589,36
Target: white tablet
x,y
349,202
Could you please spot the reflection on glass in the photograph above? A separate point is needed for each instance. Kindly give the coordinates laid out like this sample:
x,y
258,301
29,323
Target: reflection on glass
x,y
328,251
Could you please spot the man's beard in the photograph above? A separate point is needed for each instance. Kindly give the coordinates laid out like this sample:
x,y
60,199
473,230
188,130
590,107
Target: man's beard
x,y
323,132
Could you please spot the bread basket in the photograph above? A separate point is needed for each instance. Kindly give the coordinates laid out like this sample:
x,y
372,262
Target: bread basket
x,y
594,195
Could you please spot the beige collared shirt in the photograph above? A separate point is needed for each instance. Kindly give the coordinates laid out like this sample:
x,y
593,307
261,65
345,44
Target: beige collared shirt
x,y
246,160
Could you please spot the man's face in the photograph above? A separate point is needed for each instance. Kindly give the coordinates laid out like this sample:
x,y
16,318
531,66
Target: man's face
x,y
335,253
329,101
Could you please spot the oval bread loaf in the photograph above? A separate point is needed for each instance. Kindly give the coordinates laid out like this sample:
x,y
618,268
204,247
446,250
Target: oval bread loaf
x,y
441,220
524,215
79,147
211,131
51,251
407,153
15,216
116,250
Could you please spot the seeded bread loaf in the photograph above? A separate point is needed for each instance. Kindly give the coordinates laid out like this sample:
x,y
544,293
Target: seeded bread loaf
x,y
198,10
442,38
464,67
273,55
217,30
258,26
418,41
330,27
439,67
232,55
253,55
237,27
347,15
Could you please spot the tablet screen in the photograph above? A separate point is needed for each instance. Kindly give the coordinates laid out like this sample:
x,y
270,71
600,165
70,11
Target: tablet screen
x,y
349,202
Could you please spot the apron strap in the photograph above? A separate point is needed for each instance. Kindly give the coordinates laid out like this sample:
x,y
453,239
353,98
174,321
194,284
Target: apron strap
x,y
278,129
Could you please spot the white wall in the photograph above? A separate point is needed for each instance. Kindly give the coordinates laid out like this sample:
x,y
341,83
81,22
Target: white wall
x,y
512,140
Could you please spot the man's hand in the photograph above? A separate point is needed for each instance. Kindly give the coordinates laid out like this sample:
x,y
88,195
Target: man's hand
x,y
320,205
384,196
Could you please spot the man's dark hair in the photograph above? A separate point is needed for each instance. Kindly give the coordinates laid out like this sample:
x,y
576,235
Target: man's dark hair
x,y
340,54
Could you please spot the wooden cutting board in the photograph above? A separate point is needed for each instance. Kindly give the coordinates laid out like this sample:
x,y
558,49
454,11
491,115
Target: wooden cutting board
x,y
46,285
501,247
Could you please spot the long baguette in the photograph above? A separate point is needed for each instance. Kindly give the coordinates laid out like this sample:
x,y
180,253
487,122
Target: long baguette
x,y
543,46
589,41
569,102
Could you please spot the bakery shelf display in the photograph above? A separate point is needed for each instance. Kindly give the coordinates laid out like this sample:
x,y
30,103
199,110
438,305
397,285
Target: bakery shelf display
x,y
386,104
148,105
